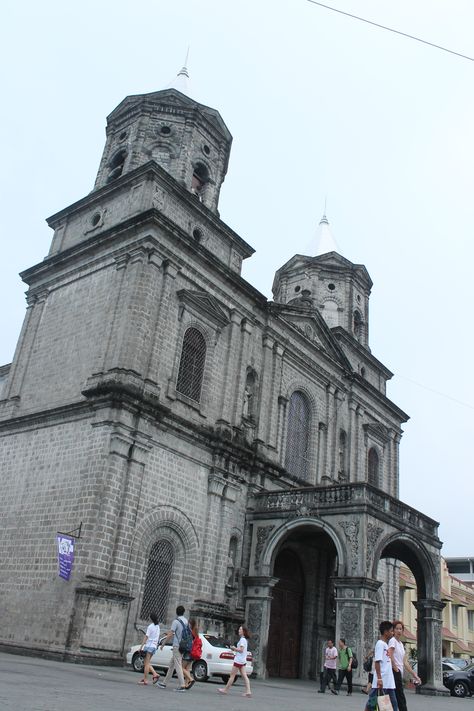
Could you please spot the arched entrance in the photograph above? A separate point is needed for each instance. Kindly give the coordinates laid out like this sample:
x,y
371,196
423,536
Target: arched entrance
x,y
302,612
284,637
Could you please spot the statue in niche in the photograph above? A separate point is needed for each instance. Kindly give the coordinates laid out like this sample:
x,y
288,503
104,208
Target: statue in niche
x,y
248,407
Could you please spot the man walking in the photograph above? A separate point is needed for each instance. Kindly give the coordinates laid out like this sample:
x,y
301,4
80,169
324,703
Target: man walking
x,y
330,661
345,666
383,676
176,632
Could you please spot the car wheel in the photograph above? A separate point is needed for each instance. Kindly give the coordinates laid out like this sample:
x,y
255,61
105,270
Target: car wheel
x,y
138,663
199,670
460,689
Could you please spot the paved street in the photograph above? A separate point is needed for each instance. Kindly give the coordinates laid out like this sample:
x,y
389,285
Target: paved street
x,y
30,684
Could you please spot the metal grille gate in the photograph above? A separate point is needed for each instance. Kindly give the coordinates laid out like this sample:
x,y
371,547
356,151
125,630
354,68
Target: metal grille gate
x,y
158,579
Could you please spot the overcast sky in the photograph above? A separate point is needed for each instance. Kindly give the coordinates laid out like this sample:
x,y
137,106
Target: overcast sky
x,y
320,106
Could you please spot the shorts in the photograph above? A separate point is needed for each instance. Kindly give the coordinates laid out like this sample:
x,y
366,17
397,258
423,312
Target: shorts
x,y
239,666
150,649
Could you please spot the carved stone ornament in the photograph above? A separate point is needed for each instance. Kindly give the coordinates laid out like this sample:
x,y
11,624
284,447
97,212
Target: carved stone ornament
x,y
351,529
350,623
373,535
262,537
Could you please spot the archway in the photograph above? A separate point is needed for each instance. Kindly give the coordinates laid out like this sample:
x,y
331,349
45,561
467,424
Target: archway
x,y
302,614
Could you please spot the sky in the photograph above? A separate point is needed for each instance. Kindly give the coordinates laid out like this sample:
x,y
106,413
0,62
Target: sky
x,y
323,110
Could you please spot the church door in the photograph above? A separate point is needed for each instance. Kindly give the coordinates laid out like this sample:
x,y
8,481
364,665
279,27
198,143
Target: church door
x,y
284,635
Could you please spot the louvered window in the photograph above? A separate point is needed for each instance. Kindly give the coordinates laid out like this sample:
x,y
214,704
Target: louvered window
x,y
191,366
157,581
297,442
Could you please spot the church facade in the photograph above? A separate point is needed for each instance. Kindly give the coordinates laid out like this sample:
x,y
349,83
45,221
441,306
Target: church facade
x,y
229,453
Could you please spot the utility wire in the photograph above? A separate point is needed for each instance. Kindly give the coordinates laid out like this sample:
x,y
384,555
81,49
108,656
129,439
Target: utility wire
x,y
390,29
437,392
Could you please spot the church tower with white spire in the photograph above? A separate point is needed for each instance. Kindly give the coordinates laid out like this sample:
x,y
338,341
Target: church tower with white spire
x,y
328,281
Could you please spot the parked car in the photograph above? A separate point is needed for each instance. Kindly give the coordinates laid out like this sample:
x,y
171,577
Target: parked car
x,y
456,662
216,659
460,682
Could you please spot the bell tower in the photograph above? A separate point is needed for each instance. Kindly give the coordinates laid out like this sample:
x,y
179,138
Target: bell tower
x,y
189,140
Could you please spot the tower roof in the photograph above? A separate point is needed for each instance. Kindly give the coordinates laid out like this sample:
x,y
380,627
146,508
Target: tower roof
x,y
325,241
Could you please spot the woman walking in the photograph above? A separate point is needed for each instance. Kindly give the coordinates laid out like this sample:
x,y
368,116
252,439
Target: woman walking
x,y
149,645
399,663
240,661
189,657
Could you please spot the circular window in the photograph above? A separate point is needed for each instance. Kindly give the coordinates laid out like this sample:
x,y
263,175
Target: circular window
x,y
297,288
331,286
165,130
206,149
123,136
95,219
197,234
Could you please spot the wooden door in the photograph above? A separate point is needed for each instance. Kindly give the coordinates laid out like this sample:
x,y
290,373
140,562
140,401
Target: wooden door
x,y
284,637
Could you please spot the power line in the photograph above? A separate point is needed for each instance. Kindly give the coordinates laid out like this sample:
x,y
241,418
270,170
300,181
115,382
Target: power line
x,y
390,29
437,392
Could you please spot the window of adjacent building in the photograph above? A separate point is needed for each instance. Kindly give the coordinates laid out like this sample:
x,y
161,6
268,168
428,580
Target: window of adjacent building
x,y
297,442
373,467
470,620
157,581
401,601
191,365
454,615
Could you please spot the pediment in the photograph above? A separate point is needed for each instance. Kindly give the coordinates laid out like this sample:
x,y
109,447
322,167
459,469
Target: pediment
x,y
204,304
310,324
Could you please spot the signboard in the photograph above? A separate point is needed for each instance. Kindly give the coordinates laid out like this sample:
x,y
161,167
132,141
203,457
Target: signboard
x,y
65,555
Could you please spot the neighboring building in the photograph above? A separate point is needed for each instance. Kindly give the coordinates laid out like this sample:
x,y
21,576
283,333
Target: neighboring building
x,y
461,568
457,633
235,455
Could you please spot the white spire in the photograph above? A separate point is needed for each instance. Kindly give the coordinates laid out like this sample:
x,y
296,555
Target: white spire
x,y
181,80
325,241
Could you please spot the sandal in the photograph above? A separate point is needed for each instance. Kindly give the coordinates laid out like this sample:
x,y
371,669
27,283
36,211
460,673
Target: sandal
x,y
191,683
247,695
222,691
155,678
143,682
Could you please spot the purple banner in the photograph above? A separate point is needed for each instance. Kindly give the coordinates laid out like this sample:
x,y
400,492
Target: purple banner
x,y
65,555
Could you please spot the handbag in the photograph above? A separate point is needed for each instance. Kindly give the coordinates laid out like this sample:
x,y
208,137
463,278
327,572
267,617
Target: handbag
x,y
384,703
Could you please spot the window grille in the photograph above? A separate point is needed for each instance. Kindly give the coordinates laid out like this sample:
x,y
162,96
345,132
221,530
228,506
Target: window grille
x,y
157,581
191,366
373,466
297,443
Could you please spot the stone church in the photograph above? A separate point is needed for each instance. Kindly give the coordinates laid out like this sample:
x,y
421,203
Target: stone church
x,y
220,450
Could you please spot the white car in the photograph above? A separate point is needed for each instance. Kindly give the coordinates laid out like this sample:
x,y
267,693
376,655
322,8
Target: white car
x,y
216,659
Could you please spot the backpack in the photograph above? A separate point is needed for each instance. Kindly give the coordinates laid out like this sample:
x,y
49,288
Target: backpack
x,y
196,649
355,661
368,664
186,641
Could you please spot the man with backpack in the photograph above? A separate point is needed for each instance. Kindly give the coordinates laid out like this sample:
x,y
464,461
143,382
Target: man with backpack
x,y
182,637
345,666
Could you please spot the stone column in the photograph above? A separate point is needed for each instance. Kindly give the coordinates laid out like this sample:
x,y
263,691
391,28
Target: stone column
x,y
429,622
258,602
212,535
321,454
395,465
159,368
281,428
228,379
330,410
266,389
356,603
273,415
353,444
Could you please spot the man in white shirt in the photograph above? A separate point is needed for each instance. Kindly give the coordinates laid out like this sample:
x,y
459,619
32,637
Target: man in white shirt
x,y
330,663
383,678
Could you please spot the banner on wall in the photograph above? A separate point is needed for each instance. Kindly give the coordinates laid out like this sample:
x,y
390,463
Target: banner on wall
x,y
65,555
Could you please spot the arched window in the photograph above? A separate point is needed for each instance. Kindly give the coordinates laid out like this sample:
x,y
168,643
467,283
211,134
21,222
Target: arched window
x,y
157,581
297,442
342,464
191,365
199,179
116,165
357,324
373,467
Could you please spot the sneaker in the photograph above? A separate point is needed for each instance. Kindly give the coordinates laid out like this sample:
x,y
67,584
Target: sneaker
x,y
161,685
333,691
180,688
320,691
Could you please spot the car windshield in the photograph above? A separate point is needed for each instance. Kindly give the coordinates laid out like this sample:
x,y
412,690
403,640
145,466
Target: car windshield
x,y
216,641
